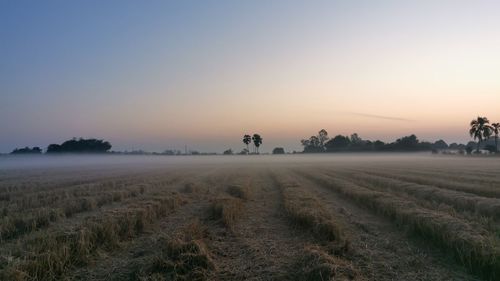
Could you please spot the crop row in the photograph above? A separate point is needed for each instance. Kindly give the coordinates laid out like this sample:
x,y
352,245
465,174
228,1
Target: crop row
x,y
48,257
306,211
481,190
461,201
451,176
56,198
13,225
475,248
229,209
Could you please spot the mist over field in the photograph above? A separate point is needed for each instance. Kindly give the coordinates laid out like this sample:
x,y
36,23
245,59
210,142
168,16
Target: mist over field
x,y
27,162
360,215
257,140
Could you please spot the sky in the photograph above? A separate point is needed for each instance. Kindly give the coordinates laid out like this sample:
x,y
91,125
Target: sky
x,y
157,75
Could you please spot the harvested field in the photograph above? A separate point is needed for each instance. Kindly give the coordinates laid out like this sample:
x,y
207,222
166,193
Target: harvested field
x,y
328,217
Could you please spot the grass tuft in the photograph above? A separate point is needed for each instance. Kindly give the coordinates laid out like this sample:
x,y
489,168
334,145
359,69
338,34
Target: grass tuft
x,y
306,211
317,265
239,191
182,258
227,209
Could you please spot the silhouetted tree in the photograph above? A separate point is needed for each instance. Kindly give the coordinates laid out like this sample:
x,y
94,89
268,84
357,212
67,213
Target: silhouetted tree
x,y
53,148
315,143
80,146
338,143
257,141
305,143
407,143
378,145
311,145
480,130
357,143
247,139
278,150
440,144
456,146
323,138
228,152
496,130
355,138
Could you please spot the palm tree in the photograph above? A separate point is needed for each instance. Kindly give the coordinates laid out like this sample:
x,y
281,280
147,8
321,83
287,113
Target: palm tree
x,y
247,139
496,129
257,141
480,129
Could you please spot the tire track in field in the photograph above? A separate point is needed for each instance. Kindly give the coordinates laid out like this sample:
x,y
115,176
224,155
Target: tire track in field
x,y
262,245
381,250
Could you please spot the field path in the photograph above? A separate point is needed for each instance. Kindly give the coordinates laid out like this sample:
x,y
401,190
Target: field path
x,y
381,250
263,245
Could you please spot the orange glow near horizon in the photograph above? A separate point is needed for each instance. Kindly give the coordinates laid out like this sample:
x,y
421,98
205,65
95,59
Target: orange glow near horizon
x,y
205,78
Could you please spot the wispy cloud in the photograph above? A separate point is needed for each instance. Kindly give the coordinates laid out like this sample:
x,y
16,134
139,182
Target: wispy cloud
x,y
392,118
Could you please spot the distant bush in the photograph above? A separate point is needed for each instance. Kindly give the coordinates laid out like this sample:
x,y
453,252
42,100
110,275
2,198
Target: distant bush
x,y
80,146
27,150
228,152
440,144
491,148
279,150
469,149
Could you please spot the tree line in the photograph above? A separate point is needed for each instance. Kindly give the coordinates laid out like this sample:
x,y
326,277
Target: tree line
x,y
322,143
74,145
480,130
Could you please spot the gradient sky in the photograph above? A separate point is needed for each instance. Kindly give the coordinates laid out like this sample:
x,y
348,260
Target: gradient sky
x,y
158,75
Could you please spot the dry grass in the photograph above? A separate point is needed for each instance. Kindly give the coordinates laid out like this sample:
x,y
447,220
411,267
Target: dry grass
x,y
19,224
306,211
56,227
481,190
16,223
474,247
51,255
317,265
239,191
191,188
227,209
185,257
459,200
